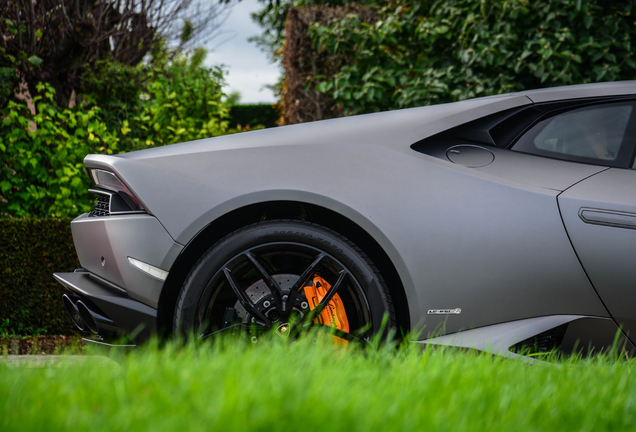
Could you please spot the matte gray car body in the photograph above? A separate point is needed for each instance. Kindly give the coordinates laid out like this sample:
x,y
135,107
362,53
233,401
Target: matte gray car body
x,y
486,234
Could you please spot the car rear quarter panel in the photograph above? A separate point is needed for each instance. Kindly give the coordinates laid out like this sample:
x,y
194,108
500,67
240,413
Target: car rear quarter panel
x,y
459,237
104,244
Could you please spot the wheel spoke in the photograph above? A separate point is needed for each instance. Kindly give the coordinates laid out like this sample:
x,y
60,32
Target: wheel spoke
x,y
293,292
269,281
244,299
309,317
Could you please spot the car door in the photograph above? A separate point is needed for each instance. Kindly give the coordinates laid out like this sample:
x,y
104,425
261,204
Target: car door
x,y
599,212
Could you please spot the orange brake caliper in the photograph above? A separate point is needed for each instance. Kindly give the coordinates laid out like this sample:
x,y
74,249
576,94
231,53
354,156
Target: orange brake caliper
x,y
333,314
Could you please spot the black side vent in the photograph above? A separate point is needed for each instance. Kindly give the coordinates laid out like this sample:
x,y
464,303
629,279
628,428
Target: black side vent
x,y
102,206
111,203
542,343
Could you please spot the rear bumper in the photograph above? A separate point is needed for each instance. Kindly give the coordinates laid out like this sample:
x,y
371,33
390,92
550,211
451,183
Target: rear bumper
x,y
105,246
114,311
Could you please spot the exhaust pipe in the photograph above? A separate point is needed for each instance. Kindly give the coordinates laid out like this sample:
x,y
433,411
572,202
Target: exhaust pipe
x,y
95,322
87,317
73,312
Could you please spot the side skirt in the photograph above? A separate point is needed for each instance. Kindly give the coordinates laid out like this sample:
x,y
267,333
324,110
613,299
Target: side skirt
x,y
583,335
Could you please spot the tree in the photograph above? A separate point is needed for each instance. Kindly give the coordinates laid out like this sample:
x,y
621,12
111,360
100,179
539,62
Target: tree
x,y
56,41
273,16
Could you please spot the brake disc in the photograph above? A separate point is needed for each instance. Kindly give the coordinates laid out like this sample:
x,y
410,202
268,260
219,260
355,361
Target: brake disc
x,y
262,298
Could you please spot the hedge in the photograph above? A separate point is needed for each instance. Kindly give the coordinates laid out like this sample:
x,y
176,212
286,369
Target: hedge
x,y
437,51
253,115
30,299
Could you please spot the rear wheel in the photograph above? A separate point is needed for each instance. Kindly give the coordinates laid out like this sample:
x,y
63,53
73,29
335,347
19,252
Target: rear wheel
x,y
286,276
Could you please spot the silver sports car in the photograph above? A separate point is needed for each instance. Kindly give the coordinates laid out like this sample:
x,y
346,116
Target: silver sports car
x,y
505,224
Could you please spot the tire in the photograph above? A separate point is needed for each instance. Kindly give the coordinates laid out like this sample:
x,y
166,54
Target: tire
x,y
260,277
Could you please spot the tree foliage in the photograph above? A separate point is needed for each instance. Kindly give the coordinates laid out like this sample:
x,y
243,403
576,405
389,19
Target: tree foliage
x,y
57,41
272,18
434,51
304,64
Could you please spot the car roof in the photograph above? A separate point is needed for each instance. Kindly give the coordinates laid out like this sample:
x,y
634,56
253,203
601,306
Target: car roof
x,y
551,94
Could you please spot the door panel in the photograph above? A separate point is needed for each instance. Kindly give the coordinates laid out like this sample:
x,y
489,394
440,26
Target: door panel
x,y
600,217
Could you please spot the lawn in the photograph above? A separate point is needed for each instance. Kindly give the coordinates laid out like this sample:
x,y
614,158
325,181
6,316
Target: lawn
x,y
314,386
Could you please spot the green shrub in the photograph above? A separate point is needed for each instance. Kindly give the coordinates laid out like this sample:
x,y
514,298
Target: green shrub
x,y
115,88
183,102
420,53
30,299
41,155
161,102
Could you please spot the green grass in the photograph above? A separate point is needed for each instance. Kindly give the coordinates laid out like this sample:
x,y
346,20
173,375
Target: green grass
x,y
316,387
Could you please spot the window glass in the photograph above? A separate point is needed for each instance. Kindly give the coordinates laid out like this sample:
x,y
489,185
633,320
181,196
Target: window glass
x,y
594,134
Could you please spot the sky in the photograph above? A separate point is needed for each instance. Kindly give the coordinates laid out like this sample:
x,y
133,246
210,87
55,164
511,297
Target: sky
x,y
248,68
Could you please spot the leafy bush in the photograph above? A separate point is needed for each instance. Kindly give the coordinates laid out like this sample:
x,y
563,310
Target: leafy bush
x,y
8,81
184,101
30,299
159,103
115,88
41,154
446,50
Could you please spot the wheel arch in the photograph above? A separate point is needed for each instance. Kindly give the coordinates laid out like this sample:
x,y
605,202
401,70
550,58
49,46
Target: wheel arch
x,y
269,210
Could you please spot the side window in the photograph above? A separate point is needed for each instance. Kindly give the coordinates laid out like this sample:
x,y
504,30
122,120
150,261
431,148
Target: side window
x,y
600,134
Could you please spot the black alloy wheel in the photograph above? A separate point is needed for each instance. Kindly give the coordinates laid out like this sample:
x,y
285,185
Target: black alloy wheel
x,y
257,278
